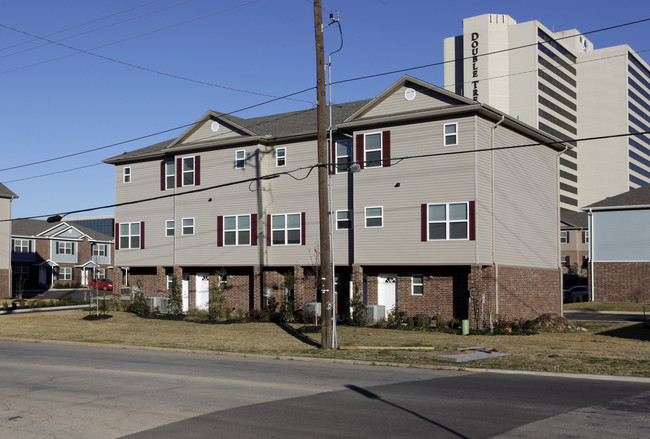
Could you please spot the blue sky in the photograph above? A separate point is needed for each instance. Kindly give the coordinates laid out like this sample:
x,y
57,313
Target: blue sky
x,y
57,101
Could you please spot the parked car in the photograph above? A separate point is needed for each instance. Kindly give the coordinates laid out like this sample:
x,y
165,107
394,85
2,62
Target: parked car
x,y
578,293
101,284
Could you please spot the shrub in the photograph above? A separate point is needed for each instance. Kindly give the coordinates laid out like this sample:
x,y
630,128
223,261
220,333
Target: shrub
x,y
358,315
396,318
5,305
197,315
175,298
41,303
139,305
422,322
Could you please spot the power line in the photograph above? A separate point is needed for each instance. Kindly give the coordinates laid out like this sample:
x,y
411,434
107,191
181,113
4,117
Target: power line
x,y
82,24
274,175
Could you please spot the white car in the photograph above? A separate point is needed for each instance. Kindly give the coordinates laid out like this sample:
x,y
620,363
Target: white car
x,y
578,293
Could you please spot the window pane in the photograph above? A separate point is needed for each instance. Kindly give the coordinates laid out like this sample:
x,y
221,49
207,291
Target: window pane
x,y
342,215
418,279
169,168
244,222
240,155
293,237
458,211
124,241
278,237
229,222
458,230
135,242
450,139
373,141
373,222
229,238
124,229
244,237
450,129
170,182
418,289
342,149
437,212
437,231
342,164
188,222
373,211
293,221
277,221
188,178
135,228
373,159
188,164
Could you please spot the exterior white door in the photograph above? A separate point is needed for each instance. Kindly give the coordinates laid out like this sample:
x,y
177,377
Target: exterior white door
x,y
387,291
186,292
202,290
84,277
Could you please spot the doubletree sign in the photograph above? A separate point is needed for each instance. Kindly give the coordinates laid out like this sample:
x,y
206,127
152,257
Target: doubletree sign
x,y
475,82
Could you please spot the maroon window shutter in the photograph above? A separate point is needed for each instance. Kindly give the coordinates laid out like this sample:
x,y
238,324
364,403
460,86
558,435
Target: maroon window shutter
x,y
142,234
568,261
220,231
179,172
584,236
253,229
268,230
117,236
303,231
423,222
163,177
385,148
472,221
568,234
197,170
360,151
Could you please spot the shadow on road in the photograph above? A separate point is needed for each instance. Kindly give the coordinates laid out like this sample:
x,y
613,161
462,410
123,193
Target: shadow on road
x,y
368,394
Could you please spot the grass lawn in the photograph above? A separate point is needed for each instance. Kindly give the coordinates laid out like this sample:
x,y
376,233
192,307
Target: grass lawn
x,y
606,348
607,306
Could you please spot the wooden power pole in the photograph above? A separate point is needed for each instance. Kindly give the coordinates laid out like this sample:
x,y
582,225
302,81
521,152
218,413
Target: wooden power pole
x,y
325,281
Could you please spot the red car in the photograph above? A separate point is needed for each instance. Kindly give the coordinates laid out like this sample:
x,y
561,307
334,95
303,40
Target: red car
x,y
101,284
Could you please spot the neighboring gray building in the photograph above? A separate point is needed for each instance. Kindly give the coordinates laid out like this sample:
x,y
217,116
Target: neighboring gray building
x,y
619,231
435,223
6,197
558,82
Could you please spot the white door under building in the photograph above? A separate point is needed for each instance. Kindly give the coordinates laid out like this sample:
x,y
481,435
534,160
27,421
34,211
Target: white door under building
x,y
202,290
186,292
387,291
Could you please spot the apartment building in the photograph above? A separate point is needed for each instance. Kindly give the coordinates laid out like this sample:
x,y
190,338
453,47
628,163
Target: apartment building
x,y
45,254
558,82
435,222
6,197
574,242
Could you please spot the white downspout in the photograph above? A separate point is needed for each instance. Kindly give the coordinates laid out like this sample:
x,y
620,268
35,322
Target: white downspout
x,y
557,221
492,208
591,254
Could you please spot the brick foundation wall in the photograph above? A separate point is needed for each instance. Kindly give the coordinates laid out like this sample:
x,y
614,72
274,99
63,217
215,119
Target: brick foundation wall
x,y
621,281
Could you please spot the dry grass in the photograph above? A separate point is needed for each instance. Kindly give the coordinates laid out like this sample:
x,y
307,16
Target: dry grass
x,y
608,349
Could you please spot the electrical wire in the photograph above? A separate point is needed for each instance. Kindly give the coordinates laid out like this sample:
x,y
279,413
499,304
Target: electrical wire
x,y
317,165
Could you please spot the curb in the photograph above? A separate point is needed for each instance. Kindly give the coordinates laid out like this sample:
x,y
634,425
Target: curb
x,y
49,309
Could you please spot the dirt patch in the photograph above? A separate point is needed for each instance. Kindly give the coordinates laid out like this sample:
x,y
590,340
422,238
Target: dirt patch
x,y
551,323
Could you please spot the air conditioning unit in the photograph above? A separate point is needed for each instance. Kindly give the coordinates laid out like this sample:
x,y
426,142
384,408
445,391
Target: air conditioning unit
x,y
159,305
312,308
375,313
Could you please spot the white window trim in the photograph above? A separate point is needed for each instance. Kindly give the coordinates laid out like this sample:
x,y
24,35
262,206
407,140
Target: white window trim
x,y
21,246
448,221
286,228
348,219
183,171
381,150
563,236
365,222
64,270
183,227
348,146
444,134
413,285
277,157
129,236
97,252
243,159
65,245
126,176
586,236
173,175
172,228
237,230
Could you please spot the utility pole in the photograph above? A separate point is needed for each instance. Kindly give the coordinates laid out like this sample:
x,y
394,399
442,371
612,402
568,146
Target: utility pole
x,y
325,281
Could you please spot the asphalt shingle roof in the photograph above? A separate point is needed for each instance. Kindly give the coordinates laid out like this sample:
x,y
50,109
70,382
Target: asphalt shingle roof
x,y
6,193
635,197
32,227
574,219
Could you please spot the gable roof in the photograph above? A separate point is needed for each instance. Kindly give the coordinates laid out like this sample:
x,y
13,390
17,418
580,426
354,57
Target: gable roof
x,y
6,193
33,227
635,199
573,219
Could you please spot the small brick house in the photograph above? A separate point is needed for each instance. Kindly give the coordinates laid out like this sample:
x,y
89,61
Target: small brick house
x,y
619,231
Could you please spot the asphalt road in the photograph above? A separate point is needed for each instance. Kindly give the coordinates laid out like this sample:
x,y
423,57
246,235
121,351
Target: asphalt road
x,y
50,390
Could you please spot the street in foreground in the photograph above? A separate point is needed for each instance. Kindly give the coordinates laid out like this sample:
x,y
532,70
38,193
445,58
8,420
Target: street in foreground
x,y
52,390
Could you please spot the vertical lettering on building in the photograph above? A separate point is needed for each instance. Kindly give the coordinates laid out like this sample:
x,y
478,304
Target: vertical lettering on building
x,y
475,82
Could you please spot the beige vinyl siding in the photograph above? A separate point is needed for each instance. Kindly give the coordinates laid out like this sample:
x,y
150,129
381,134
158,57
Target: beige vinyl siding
x,y
204,133
439,179
5,234
525,201
397,103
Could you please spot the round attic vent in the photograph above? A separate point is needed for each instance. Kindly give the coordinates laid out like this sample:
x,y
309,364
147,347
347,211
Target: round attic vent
x,y
409,94
214,126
